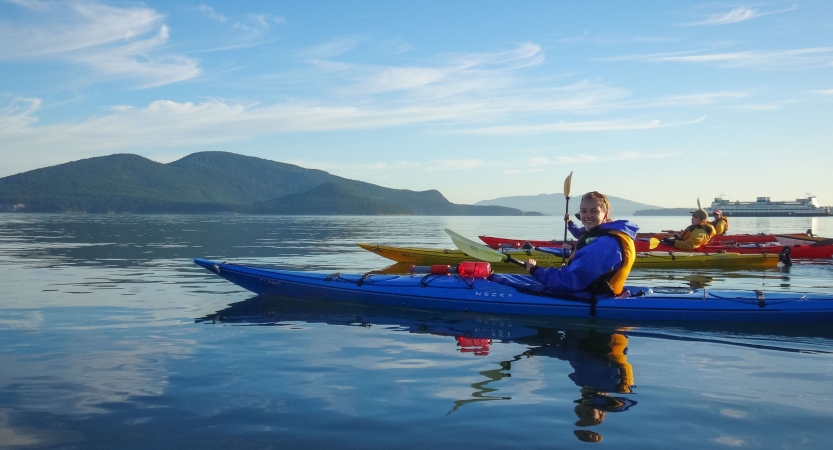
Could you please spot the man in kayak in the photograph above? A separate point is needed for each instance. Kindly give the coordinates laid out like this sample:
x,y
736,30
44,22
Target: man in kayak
x,y
720,223
698,234
602,257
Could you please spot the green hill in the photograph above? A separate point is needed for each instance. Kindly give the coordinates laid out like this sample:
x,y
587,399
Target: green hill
x,y
211,182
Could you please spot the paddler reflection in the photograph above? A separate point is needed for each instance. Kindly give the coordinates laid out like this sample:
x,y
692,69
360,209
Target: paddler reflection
x,y
600,370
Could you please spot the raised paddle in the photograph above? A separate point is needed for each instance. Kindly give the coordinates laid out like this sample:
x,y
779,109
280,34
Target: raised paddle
x,y
480,251
567,182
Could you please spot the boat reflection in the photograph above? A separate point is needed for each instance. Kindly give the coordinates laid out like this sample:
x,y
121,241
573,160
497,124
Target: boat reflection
x,y
600,369
603,377
595,349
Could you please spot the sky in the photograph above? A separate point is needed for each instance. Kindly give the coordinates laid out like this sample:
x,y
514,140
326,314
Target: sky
x,y
654,101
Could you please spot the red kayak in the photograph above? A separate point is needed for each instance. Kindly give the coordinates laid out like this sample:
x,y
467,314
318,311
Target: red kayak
x,y
723,239
804,251
497,243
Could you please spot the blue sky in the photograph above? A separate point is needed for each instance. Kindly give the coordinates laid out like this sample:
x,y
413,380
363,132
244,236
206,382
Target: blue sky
x,y
655,101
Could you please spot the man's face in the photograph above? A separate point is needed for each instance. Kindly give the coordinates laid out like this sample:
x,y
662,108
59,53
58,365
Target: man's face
x,y
696,220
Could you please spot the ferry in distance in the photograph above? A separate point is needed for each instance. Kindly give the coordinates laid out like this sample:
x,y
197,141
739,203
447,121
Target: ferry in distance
x,y
764,207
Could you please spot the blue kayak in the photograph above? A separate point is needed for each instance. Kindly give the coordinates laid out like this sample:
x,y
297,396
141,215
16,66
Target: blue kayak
x,y
518,294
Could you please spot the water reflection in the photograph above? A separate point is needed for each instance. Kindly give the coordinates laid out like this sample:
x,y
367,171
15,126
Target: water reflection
x,y
600,369
600,366
601,372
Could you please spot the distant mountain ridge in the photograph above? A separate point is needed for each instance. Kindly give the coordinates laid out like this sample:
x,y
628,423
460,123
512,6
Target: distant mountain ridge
x,y
555,204
213,182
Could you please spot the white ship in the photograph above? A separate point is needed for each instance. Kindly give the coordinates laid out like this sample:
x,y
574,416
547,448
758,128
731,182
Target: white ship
x,y
764,207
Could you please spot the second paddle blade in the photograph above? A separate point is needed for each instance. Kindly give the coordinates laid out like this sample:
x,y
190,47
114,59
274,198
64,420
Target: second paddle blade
x,y
474,249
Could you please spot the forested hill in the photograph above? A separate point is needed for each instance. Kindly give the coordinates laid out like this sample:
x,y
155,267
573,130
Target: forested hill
x,y
212,182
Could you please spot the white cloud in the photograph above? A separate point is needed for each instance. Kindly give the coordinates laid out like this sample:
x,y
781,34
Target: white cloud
x,y
211,14
733,16
392,169
259,22
755,107
164,125
333,48
64,27
134,60
167,124
769,59
825,92
730,441
113,41
699,99
585,126
583,158
454,74
577,159
739,14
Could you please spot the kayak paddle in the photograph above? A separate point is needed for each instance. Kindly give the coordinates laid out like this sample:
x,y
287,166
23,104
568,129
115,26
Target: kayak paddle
x,y
484,253
567,182
480,251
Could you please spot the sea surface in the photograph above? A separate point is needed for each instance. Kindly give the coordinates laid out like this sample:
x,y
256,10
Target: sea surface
x,y
110,337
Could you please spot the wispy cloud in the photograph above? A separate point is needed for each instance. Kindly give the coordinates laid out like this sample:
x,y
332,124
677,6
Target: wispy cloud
x,y
825,92
560,127
393,167
211,14
700,99
259,22
332,48
584,158
765,59
454,73
736,15
166,124
115,42
706,98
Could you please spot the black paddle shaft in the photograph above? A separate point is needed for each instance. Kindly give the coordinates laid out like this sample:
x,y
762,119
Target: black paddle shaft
x,y
510,259
566,212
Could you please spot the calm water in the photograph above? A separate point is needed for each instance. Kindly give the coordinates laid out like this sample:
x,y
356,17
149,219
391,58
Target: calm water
x,y
110,337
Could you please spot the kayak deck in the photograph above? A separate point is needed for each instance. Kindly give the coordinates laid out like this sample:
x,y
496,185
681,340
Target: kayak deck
x,y
516,294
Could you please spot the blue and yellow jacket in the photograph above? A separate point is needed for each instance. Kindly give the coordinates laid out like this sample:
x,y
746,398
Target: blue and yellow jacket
x,y
596,257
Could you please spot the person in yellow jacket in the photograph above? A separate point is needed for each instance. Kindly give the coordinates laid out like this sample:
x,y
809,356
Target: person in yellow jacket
x,y
720,223
699,233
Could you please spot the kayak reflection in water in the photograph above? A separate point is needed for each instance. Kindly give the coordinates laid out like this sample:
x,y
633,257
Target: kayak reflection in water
x,y
602,257
600,368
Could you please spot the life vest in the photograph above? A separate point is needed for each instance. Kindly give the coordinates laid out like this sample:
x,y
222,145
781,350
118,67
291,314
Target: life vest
x,y
613,282
723,228
618,356
705,226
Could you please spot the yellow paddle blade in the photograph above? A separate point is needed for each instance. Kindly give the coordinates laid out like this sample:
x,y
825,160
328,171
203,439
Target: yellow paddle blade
x,y
567,182
474,249
653,243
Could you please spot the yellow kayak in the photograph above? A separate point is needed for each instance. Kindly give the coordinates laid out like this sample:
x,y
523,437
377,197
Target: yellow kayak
x,y
644,260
